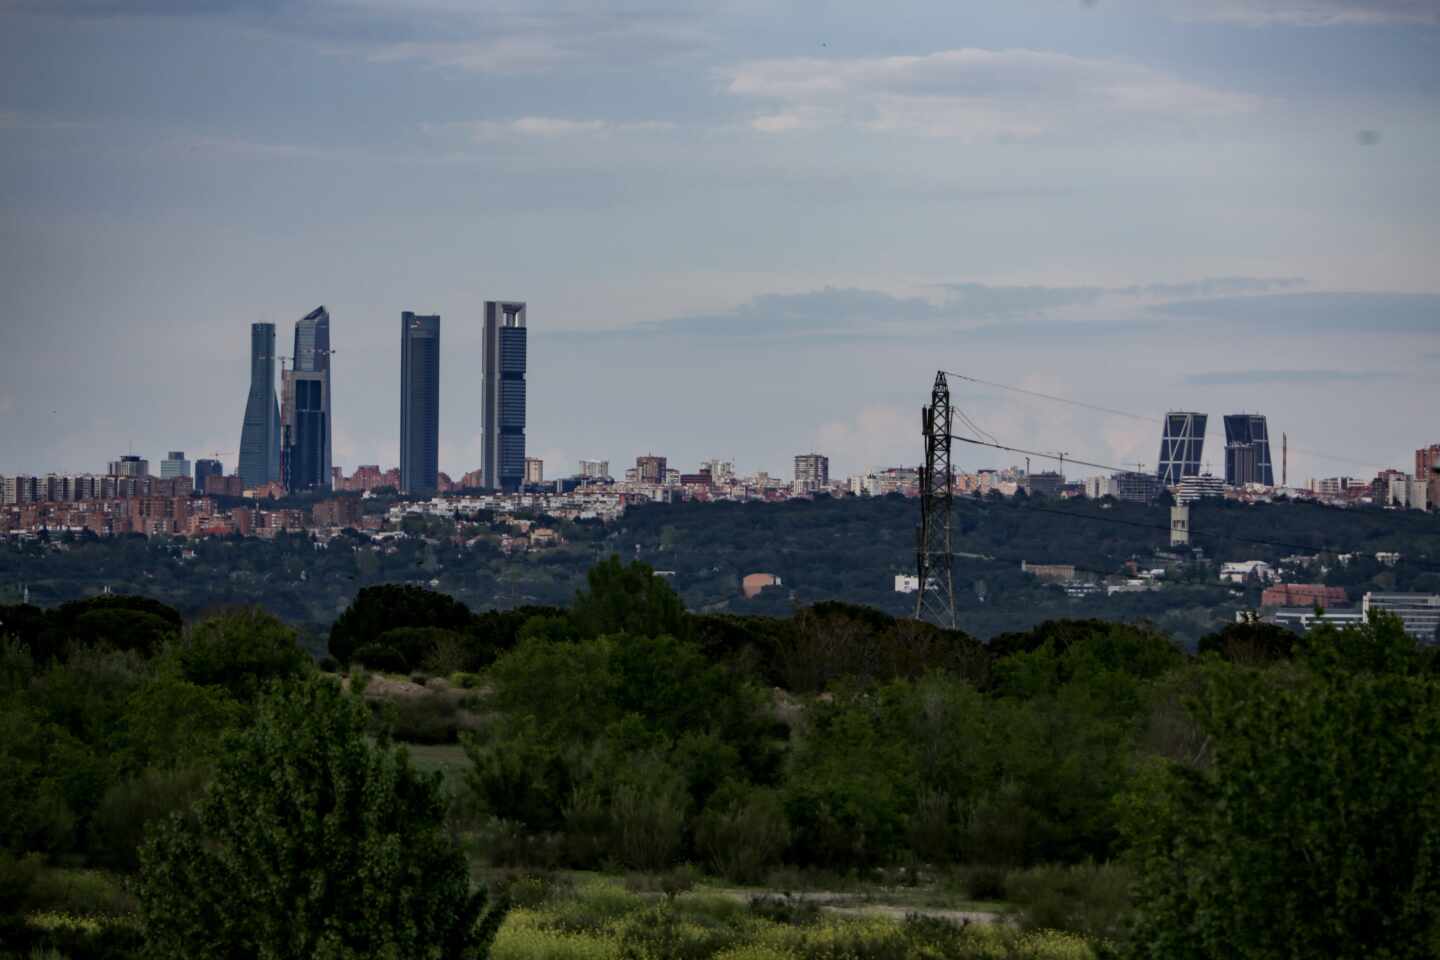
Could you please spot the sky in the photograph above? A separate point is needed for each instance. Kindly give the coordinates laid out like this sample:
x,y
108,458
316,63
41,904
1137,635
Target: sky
x,y
743,230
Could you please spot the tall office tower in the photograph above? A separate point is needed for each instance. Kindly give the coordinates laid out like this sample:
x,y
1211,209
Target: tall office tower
x,y
260,435
504,395
812,472
312,355
1180,447
174,465
207,468
419,403
1247,451
305,429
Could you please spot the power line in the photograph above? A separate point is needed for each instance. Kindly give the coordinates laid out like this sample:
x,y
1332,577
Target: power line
x,y
1037,453
1133,416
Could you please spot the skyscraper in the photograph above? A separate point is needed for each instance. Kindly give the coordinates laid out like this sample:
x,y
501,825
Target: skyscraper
x,y
420,403
260,435
312,355
175,465
305,429
504,417
1181,446
1247,451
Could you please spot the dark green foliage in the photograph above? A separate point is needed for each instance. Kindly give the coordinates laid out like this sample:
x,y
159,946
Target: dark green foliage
x,y
240,651
122,629
154,738
378,656
130,807
376,610
1251,642
743,832
1315,830
628,599
416,645
314,841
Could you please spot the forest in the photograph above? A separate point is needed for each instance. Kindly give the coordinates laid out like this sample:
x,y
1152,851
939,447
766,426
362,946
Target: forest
x,y
847,550
623,777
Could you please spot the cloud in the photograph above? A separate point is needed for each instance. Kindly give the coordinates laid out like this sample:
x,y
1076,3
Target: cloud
x,y
542,127
1212,287
1311,13
1245,377
876,436
1317,312
968,94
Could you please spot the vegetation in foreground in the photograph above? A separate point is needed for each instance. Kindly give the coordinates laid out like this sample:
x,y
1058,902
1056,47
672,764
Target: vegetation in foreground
x,y
206,789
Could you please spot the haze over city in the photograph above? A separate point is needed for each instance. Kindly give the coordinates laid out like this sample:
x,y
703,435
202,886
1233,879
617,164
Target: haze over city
x,y
740,233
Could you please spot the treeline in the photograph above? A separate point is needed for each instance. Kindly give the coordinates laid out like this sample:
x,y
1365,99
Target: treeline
x,y
1267,797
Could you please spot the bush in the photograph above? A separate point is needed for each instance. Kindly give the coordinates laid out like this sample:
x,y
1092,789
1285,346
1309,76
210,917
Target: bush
x,y
129,807
647,823
381,659
17,876
587,828
792,911
314,840
240,651
430,718
741,833
1090,900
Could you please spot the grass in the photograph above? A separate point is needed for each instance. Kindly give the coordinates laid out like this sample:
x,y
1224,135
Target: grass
x,y
596,918
444,757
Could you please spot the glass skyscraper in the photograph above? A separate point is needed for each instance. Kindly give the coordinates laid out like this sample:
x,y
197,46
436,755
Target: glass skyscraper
x,y
504,415
1181,446
305,430
419,403
1247,451
312,355
260,435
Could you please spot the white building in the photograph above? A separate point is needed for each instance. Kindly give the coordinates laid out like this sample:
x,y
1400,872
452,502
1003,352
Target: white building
x,y
1240,571
906,584
1419,611
1201,485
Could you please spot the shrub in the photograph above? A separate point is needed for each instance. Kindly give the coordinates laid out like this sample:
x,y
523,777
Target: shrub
x,y
380,658
240,651
1090,900
17,876
431,718
793,911
129,807
741,833
587,828
984,883
314,840
647,823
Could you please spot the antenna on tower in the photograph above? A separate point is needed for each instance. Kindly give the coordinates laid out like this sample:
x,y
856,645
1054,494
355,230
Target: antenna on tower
x,y
1284,460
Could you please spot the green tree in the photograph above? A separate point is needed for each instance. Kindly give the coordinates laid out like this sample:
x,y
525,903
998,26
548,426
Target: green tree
x,y
628,599
378,609
313,841
239,651
1316,829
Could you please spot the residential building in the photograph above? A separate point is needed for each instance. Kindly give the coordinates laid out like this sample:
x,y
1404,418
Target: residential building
x,y
1198,487
907,583
129,466
534,470
260,433
722,472
207,468
753,583
650,469
337,512
1135,487
1049,571
1247,451
812,472
1241,571
312,355
1304,595
174,465
1047,483
1419,611
419,402
1097,487
595,469
504,382
1181,445
1427,462
1303,618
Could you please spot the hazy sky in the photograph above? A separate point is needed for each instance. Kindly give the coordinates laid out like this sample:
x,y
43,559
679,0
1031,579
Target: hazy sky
x,y
743,230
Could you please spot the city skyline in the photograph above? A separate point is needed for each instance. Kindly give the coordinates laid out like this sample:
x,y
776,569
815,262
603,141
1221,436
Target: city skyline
x,y
741,241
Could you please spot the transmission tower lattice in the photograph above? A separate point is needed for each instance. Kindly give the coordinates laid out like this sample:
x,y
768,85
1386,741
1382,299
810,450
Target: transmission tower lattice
x,y
935,599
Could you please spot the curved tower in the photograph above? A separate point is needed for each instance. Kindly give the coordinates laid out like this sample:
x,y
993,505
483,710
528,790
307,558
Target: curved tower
x,y
260,435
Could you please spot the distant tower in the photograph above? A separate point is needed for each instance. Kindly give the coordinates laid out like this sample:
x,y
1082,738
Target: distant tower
x,y
504,414
260,435
305,429
812,472
419,403
1247,451
312,355
1180,447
